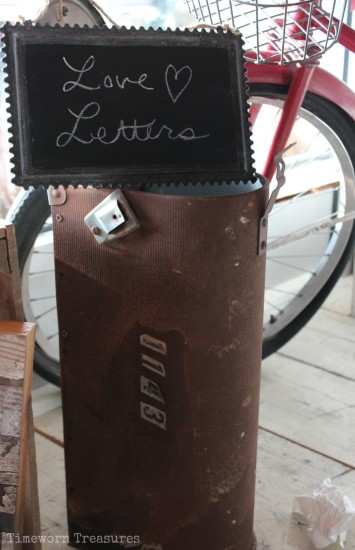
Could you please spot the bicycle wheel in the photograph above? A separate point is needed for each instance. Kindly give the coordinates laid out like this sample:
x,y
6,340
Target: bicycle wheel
x,y
299,275
319,186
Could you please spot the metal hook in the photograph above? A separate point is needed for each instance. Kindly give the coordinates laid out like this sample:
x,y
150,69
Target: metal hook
x,y
281,180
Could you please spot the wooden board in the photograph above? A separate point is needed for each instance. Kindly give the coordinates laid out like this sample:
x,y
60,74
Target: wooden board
x,y
16,360
11,309
45,399
330,345
32,515
51,482
50,425
297,398
308,387
10,295
339,301
328,340
286,470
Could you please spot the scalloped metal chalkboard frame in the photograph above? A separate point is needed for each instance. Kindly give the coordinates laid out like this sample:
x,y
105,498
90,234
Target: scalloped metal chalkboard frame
x,y
18,37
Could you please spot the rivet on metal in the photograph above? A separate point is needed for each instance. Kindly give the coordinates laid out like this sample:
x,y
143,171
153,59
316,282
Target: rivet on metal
x,y
59,218
56,197
64,333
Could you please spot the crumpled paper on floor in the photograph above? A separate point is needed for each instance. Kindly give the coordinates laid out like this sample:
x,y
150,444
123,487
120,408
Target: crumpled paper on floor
x,y
328,515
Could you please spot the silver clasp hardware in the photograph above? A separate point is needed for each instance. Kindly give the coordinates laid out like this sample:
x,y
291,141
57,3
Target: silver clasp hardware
x,y
281,180
56,196
112,219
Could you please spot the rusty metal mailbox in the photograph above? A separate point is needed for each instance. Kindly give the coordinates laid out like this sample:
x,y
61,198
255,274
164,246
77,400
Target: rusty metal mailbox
x,y
161,351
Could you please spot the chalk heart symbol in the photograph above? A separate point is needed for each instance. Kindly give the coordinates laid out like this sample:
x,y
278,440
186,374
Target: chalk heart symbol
x,y
177,80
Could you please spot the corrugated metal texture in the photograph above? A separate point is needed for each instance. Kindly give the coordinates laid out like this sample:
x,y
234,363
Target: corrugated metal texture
x,y
161,349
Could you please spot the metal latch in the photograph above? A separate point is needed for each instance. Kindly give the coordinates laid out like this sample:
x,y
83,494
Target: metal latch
x,y
112,219
281,180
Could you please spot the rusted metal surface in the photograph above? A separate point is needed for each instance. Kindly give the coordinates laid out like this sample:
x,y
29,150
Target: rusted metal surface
x,y
161,352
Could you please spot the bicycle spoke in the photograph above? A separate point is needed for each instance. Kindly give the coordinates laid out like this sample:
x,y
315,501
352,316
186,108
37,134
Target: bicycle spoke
x,y
33,273
53,308
318,233
279,262
300,256
281,291
273,306
303,194
43,298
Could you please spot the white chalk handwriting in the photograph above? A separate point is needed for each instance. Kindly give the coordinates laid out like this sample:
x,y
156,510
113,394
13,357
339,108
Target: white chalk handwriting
x,y
108,81
177,81
129,132
89,78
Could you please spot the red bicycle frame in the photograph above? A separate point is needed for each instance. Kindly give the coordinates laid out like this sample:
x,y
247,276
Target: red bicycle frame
x,y
301,78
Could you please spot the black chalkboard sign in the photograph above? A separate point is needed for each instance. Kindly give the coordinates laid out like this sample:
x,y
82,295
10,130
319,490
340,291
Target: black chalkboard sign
x,y
126,107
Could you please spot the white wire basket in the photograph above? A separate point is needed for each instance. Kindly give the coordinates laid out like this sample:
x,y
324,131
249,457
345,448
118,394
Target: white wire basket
x,y
276,33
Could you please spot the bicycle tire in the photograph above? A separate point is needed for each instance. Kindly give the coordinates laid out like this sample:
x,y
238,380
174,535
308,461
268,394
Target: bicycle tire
x,y
344,128
29,214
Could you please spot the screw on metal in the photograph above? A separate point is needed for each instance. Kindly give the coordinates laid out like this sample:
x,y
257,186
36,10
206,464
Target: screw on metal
x,y
64,333
96,230
59,217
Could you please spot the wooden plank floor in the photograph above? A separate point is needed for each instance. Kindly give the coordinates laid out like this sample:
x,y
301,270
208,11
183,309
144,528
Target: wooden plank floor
x,y
307,421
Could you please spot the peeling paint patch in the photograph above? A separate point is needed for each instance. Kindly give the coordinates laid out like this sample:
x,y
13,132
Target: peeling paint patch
x,y
228,477
230,232
247,401
221,351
